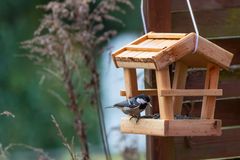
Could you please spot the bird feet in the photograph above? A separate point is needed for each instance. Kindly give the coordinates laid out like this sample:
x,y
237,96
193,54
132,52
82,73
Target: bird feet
x,y
154,116
137,118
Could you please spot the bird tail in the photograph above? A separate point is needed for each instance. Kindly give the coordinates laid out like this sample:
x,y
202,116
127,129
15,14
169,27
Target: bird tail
x,y
109,107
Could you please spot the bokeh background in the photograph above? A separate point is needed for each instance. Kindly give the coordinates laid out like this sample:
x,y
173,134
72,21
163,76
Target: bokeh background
x,y
23,93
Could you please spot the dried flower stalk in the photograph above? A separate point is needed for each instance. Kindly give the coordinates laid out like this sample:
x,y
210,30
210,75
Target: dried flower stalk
x,y
69,38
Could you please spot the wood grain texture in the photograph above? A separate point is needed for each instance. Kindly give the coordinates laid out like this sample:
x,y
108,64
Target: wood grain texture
x,y
227,145
158,127
191,92
154,35
130,78
165,103
146,65
211,82
175,52
150,92
211,23
179,82
158,18
148,49
214,53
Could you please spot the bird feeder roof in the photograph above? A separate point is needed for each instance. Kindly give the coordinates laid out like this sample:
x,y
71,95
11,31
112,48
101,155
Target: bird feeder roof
x,y
158,50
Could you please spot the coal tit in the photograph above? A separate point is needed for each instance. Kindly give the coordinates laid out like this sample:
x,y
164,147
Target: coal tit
x,y
133,106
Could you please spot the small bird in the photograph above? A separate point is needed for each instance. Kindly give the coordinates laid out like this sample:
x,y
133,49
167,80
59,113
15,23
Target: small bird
x,y
133,106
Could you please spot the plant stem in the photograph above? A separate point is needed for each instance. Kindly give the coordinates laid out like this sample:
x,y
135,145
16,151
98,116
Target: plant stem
x,y
78,122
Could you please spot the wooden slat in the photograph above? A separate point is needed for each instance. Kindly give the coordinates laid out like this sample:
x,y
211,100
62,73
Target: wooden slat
x,y
179,82
165,103
150,92
145,65
158,18
211,23
158,127
191,92
203,5
166,43
231,44
119,51
227,110
144,126
145,43
211,82
214,53
182,48
137,48
139,40
166,35
227,145
130,78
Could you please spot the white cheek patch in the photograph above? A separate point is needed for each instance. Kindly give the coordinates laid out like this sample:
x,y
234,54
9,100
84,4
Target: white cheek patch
x,y
140,100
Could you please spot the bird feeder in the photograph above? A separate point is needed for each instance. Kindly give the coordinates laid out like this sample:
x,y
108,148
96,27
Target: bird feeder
x,y
156,51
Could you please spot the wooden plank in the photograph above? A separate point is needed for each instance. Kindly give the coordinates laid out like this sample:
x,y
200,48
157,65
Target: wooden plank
x,y
211,82
145,43
191,92
231,44
119,51
227,145
182,48
137,48
158,18
175,128
214,53
179,82
144,126
227,110
166,43
179,92
203,5
193,127
165,103
130,78
146,65
211,23
166,35
149,92
139,40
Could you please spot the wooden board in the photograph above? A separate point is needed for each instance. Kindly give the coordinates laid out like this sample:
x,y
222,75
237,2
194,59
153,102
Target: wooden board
x,y
191,92
179,82
175,52
214,53
227,145
203,5
166,35
165,103
211,82
161,127
150,92
130,77
211,23
146,65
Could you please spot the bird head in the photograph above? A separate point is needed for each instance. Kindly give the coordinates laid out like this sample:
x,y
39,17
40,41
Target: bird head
x,y
143,99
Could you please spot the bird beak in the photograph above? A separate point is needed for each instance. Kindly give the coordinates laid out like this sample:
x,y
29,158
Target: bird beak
x,y
150,104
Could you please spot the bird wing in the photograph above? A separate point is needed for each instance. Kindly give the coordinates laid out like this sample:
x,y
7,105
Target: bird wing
x,y
131,103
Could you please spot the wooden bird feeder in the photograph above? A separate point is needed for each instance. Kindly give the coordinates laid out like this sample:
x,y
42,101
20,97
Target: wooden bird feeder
x,y
157,51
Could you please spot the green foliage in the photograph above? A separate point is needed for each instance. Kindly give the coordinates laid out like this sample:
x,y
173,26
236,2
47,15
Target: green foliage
x,y
22,89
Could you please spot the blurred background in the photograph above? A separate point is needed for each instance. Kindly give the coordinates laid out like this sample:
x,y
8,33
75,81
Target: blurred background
x,y
23,94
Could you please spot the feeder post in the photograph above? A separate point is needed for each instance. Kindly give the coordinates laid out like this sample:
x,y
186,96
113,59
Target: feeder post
x,y
165,102
130,77
211,82
179,82
158,18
